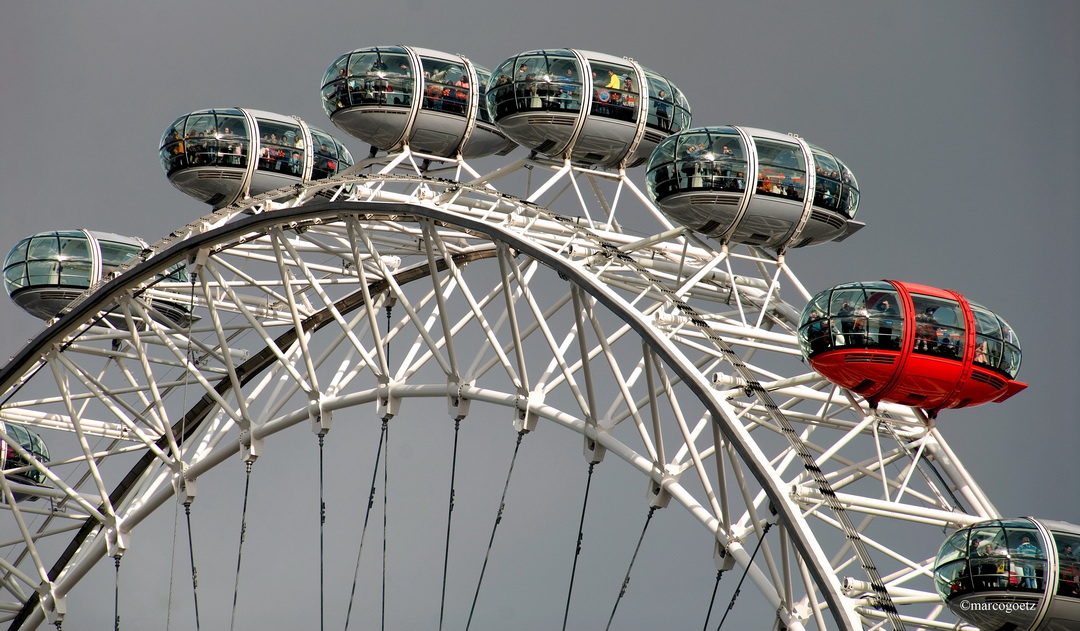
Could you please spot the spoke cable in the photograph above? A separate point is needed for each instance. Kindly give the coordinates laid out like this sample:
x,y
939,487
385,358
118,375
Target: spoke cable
x,y
322,537
386,475
577,550
712,601
626,579
449,521
191,555
116,596
240,547
883,600
746,570
498,520
190,354
367,515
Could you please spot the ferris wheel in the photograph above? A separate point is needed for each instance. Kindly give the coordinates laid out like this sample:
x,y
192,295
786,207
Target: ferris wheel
x,y
441,321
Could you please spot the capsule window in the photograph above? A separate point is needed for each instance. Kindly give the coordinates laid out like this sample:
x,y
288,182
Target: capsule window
x,y
281,148
114,255
330,156
939,327
33,444
534,84
1067,546
849,197
446,86
781,172
482,77
377,78
827,181
615,91
661,104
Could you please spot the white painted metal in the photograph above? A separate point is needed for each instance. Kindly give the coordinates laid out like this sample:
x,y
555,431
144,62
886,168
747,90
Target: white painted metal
x,y
677,358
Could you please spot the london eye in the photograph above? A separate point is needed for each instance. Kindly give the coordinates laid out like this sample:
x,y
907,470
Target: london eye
x,y
444,320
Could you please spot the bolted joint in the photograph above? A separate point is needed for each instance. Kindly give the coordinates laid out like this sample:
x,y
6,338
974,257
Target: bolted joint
x,y
184,487
525,418
250,446
456,403
723,557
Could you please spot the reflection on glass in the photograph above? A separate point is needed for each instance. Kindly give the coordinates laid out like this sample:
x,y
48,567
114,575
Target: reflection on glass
x,y
780,169
854,315
446,86
712,159
33,445
996,346
369,77
615,91
939,327
281,147
331,157
994,556
207,138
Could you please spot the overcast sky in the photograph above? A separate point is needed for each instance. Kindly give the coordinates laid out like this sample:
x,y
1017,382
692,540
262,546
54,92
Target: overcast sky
x,y
960,119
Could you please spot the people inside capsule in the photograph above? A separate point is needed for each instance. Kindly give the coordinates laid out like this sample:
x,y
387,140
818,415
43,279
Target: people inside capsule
x,y
376,76
1024,562
393,96
893,320
219,156
45,272
595,102
752,186
18,468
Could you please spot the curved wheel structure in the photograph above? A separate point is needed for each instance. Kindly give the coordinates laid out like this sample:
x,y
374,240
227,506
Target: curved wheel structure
x,y
378,297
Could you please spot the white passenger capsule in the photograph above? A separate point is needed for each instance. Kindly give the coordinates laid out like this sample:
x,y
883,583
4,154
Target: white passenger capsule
x,y
45,272
1018,574
753,186
392,96
585,106
224,155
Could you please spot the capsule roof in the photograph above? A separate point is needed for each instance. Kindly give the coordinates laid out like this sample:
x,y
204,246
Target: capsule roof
x,y
910,344
585,106
753,186
219,156
392,96
1032,564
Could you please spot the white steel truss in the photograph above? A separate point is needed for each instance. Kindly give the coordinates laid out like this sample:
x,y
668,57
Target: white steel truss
x,y
378,290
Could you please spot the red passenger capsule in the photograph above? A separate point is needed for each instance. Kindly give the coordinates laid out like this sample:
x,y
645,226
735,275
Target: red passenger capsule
x,y
910,344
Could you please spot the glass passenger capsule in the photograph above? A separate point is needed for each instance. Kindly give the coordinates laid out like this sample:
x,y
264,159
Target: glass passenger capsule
x,y
16,467
1019,574
224,155
585,106
391,96
45,272
753,186
910,344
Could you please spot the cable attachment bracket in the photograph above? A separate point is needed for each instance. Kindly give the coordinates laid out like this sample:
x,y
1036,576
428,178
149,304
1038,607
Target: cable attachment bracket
x,y
321,417
525,417
457,405
387,403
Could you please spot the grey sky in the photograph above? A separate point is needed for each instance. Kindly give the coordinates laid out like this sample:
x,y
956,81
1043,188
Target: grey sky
x,y
961,121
